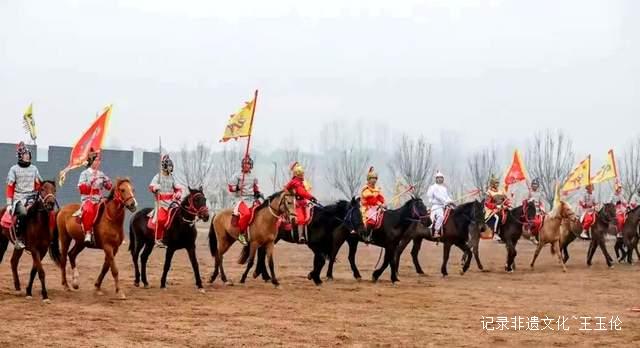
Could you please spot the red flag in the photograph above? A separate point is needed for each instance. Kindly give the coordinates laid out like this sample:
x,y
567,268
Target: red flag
x,y
516,172
92,138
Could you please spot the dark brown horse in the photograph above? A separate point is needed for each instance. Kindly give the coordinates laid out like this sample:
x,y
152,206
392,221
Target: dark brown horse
x,y
510,230
631,234
37,223
604,218
262,232
108,233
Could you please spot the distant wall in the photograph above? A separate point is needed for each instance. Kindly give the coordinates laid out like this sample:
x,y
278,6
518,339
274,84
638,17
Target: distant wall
x,y
115,163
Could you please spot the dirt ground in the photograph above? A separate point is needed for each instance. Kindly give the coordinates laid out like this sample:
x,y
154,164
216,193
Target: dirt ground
x,y
420,311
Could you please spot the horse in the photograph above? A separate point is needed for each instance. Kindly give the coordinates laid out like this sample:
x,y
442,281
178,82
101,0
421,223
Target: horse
x,y
328,222
262,231
180,234
108,231
631,234
37,226
604,218
551,231
395,224
456,231
510,230
569,231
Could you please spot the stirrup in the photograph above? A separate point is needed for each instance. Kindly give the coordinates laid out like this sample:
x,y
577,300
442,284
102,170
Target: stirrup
x,y
19,244
160,244
242,239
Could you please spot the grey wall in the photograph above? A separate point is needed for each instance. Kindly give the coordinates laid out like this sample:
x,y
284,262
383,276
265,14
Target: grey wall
x,y
115,163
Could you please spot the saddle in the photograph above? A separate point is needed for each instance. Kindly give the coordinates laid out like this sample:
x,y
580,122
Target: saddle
x,y
151,224
8,220
537,223
374,220
101,206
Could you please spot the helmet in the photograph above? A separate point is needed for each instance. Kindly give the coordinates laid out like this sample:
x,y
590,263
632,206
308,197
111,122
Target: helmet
x,y
439,175
535,181
589,187
247,161
21,149
618,186
494,181
371,174
297,169
166,163
92,156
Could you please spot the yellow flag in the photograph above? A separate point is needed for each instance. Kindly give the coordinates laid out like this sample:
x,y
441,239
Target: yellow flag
x,y
608,170
580,176
240,123
30,123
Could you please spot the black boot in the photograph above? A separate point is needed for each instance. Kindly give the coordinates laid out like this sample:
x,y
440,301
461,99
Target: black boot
x,y
301,235
20,244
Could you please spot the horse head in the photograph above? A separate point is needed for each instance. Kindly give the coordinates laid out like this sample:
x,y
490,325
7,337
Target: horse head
x,y
607,213
528,211
286,201
477,215
196,203
566,212
418,210
47,195
353,218
124,193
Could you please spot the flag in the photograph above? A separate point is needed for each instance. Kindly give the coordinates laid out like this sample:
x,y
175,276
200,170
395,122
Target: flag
x,y
608,170
580,176
516,172
92,138
240,123
29,122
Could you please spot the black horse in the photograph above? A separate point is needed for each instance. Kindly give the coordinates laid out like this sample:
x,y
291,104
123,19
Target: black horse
x,y
604,218
464,219
510,230
328,222
395,225
630,235
181,234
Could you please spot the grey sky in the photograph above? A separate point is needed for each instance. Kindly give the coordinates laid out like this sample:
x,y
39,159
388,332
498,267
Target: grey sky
x,y
488,69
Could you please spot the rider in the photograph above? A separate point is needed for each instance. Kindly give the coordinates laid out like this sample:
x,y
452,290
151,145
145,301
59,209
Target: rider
x,y
163,186
621,208
23,183
298,185
535,197
588,208
439,198
243,187
91,183
372,203
495,203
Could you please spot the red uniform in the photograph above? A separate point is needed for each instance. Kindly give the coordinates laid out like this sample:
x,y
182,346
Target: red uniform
x,y
297,185
371,199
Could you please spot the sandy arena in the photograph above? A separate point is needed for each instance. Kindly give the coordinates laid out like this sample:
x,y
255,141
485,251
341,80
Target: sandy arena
x,y
421,311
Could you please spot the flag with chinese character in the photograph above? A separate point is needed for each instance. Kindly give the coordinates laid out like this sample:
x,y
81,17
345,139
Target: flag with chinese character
x,y
239,124
516,172
608,170
92,138
579,177
30,123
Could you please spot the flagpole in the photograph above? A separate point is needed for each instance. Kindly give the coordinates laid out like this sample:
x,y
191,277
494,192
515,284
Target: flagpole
x,y
246,151
155,217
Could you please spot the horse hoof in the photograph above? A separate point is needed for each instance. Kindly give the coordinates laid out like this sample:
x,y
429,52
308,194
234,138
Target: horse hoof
x,y
277,286
146,286
99,293
202,290
29,298
17,292
46,301
394,284
122,296
136,284
358,279
612,266
228,283
66,288
330,279
309,277
76,286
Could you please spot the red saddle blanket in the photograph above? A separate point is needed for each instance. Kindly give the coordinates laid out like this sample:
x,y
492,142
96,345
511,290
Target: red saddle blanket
x,y
373,217
7,220
171,214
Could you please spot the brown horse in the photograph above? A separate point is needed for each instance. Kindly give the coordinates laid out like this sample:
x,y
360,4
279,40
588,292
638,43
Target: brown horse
x,y
38,224
605,217
108,234
262,233
551,231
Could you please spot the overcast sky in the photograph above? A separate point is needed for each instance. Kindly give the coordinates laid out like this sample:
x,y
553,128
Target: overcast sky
x,y
488,69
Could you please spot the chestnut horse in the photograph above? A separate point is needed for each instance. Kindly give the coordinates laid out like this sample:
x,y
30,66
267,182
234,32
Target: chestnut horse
x,y
262,231
38,223
551,231
108,233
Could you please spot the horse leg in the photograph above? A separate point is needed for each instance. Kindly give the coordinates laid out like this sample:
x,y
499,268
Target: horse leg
x,y
15,260
144,258
559,254
399,250
603,247
475,247
339,239
539,247
415,251
619,250
135,252
103,272
167,266
222,249
318,263
468,254
32,278
446,249
253,248
196,269
511,255
393,263
261,264
110,255
37,266
274,279
64,252
591,250
378,272
353,249
73,254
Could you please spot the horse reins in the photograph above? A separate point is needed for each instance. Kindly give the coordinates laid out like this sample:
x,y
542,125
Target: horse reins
x,y
191,208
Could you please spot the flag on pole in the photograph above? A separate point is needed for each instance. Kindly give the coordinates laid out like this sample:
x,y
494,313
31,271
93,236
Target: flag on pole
x,y
240,123
579,177
30,123
92,138
608,170
516,172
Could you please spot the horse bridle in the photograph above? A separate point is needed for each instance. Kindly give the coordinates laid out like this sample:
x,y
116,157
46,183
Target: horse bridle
x,y
191,208
44,199
285,212
415,214
524,219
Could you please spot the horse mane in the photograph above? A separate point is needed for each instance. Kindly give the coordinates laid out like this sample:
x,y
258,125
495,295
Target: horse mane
x,y
267,201
556,212
336,207
119,180
463,208
49,182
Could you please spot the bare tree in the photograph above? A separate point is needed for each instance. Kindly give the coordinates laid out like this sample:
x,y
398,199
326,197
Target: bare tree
x,y
345,170
194,166
227,165
412,161
482,166
630,168
550,158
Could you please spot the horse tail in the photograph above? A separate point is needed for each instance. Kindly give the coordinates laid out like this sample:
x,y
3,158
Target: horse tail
x,y
244,255
54,246
4,243
132,235
213,239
